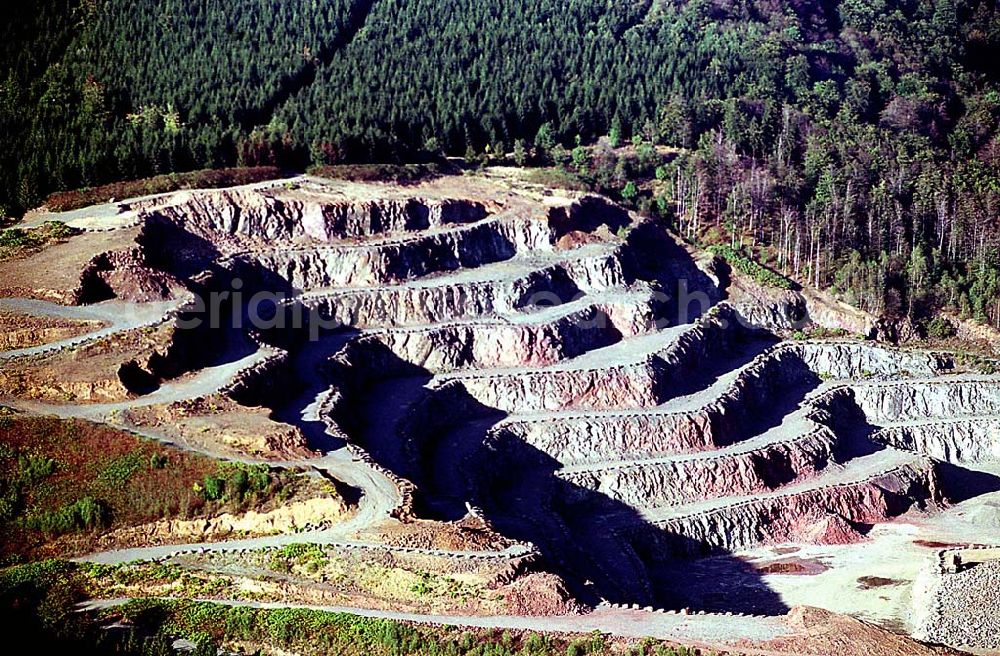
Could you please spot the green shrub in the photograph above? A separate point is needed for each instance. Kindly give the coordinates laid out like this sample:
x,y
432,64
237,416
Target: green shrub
x,y
84,514
10,501
424,585
311,556
538,644
57,230
157,461
213,488
741,262
40,597
259,477
32,468
242,480
396,173
236,485
940,328
821,332
630,191
18,238
119,471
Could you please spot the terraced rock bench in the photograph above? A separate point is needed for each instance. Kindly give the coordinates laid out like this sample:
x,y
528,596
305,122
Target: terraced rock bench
x,y
861,495
672,480
956,439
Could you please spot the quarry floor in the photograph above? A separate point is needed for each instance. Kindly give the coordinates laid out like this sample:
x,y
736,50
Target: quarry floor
x,y
874,580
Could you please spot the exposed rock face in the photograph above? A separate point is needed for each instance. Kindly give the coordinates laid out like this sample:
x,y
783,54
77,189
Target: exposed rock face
x,y
616,404
790,517
658,482
391,261
819,632
641,382
123,275
860,360
269,215
608,413
18,331
831,529
318,511
108,369
587,215
217,421
830,313
893,402
768,308
264,379
127,274
955,440
539,594
446,347
576,439
402,305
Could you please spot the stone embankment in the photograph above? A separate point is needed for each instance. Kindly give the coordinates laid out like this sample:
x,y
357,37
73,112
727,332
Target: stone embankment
x,y
957,602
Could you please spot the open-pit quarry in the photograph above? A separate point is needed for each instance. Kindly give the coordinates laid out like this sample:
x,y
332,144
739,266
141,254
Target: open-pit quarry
x,y
549,414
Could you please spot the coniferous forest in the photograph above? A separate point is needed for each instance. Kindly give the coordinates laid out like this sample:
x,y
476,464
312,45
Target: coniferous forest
x,y
850,144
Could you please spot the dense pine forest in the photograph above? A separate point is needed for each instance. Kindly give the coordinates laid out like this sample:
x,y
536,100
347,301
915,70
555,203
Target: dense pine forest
x,y
850,144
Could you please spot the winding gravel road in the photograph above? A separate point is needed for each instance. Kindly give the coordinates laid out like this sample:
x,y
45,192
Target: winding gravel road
x,y
119,315
706,631
378,493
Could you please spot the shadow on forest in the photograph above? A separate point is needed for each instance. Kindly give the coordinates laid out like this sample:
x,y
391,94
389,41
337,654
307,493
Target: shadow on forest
x,y
291,85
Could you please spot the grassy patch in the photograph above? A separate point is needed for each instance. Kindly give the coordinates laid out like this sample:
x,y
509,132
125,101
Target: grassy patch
x,y
81,515
318,632
557,177
240,483
76,479
121,469
17,241
148,578
821,332
386,580
740,261
310,557
40,600
977,362
395,173
64,201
